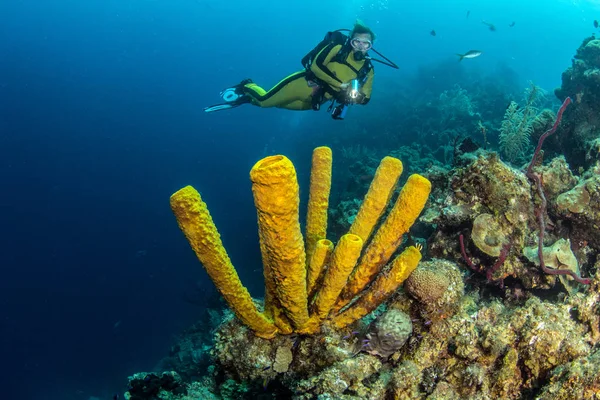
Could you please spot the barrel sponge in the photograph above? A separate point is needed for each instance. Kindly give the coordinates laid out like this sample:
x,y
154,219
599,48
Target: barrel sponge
x,y
318,198
198,227
277,202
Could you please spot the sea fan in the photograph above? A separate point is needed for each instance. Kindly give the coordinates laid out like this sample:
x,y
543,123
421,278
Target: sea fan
x,y
515,132
517,126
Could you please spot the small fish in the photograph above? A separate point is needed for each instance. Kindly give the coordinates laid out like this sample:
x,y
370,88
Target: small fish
x,y
470,54
491,26
432,33
595,23
468,13
512,24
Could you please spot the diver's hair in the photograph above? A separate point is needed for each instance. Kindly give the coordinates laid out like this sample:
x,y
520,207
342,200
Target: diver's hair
x,y
360,27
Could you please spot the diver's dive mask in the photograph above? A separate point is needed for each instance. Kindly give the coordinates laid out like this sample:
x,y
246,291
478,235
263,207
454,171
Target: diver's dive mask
x,y
361,44
360,47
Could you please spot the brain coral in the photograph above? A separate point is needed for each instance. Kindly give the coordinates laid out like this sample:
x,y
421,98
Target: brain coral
x,y
427,284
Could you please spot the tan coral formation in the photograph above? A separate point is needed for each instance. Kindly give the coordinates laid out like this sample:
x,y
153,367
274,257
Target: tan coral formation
x,y
487,235
496,201
482,348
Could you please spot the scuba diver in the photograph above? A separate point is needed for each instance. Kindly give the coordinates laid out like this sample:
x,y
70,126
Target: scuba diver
x,y
339,69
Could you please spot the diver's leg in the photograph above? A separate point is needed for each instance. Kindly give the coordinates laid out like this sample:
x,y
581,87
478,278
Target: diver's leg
x,y
292,93
289,93
299,105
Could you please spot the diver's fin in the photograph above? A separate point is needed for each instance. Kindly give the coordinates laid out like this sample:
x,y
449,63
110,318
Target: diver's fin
x,y
234,93
219,107
233,96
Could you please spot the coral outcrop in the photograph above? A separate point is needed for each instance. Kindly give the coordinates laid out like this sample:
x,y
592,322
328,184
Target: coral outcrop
x,y
481,349
581,82
493,204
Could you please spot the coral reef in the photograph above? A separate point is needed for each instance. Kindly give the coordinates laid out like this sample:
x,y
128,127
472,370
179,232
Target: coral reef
x,y
497,202
493,294
481,349
434,339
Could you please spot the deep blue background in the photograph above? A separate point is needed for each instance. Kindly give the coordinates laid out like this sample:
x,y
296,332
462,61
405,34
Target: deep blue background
x,y
100,121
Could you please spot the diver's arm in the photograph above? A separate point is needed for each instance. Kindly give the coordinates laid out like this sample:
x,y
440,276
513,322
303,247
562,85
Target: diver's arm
x,y
320,69
367,88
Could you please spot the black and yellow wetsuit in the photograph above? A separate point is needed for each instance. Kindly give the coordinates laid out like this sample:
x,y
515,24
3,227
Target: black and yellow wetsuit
x,y
296,91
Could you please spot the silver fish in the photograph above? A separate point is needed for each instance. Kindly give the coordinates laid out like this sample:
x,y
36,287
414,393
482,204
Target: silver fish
x,y
470,54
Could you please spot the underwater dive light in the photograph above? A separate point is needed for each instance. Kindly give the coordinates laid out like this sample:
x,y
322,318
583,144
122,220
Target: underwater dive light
x,y
354,89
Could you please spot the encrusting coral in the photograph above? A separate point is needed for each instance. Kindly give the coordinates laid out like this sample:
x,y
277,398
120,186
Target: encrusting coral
x,y
304,281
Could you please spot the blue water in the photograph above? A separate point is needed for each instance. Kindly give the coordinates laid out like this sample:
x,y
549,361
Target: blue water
x,y
101,120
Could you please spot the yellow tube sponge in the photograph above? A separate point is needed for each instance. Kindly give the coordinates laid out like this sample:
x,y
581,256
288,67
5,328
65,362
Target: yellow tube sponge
x,y
342,262
199,229
273,308
276,197
403,215
383,286
376,200
319,259
318,198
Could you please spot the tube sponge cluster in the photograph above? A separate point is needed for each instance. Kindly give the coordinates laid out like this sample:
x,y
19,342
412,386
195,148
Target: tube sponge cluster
x,y
309,281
